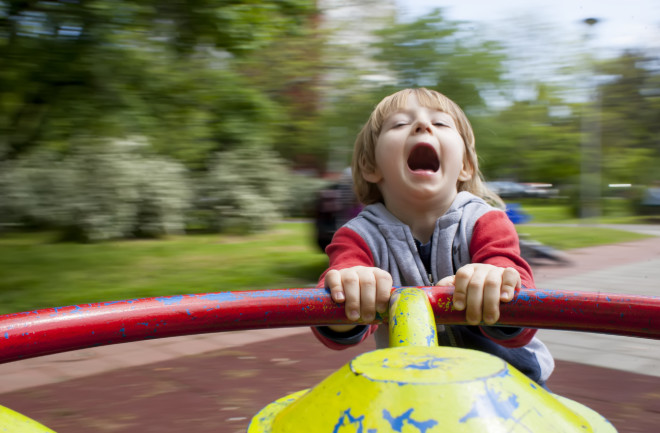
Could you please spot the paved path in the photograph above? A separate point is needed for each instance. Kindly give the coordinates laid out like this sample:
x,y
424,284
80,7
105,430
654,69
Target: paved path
x,y
632,268
77,391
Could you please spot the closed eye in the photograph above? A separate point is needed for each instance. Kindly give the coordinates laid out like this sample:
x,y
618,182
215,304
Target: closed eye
x,y
441,124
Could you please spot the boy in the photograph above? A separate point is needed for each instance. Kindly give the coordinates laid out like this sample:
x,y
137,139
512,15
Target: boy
x,y
415,166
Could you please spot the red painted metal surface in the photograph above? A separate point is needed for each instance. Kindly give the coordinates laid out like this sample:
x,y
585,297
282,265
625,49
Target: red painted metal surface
x,y
53,330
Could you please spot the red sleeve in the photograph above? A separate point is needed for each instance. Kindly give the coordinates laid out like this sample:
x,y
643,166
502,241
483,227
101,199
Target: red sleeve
x,y
495,241
346,250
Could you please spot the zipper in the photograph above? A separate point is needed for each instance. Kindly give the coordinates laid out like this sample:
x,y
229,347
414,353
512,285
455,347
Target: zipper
x,y
451,336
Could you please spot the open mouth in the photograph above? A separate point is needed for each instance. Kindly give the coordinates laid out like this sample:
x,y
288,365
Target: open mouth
x,y
423,158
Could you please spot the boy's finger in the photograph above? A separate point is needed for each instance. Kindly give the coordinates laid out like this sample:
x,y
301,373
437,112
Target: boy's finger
x,y
491,296
351,284
383,290
446,281
333,283
475,296
461,280
510,282
367,294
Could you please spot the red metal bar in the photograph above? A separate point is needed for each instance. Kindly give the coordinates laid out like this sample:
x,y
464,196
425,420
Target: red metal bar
x,y
54,330
628,315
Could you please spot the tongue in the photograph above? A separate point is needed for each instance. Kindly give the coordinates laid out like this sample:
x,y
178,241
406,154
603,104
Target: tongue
x,y
423,158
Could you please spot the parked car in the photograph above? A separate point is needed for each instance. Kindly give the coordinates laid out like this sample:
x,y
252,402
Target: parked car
x,y
650,204
509,189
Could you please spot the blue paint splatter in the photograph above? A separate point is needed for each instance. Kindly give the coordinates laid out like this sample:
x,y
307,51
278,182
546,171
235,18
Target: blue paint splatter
x,y
7,335
522,296
427,364
491,404
503,373
430,338
170,300
397,422
346,416
220,297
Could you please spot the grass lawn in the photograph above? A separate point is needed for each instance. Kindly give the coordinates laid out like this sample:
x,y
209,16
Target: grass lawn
x,y
36,272
567,237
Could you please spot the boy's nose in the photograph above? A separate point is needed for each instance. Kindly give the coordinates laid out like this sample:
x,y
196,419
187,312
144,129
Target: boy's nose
x,y
422,126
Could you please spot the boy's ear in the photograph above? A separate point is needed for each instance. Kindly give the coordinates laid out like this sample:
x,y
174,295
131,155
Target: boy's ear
x,y
370,174
466,172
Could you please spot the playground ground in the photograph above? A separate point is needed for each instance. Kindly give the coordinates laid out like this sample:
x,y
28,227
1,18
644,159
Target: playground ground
x,y
217,382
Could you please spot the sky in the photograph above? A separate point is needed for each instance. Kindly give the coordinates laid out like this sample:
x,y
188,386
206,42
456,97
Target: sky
x,y
622,23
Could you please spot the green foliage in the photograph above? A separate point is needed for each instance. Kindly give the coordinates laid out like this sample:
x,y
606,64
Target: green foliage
x,y
303,193
102,191
203,78
629,105
244,190
164,70
444,55
289,70
432,51
527,142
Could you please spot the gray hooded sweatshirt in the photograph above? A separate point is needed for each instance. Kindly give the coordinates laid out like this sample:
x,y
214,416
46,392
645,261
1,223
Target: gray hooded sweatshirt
x,y
394,249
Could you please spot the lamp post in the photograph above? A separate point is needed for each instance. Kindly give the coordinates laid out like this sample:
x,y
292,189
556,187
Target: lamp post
x,y
590,149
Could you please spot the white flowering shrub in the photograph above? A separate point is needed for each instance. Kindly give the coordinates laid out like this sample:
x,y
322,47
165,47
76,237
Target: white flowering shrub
x,y
304,191
245,190
99,192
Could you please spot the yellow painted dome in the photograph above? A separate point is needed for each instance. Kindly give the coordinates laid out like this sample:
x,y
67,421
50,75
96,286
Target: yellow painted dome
x,y
427,390
14,422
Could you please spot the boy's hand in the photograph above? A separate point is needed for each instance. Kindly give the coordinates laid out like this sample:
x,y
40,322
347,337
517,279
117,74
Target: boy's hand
x,y
365,291
481,287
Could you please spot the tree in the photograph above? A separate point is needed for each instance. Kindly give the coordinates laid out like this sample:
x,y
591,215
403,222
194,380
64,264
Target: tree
x,y
431,51
533,140
116,68
289,71
629,102
444,55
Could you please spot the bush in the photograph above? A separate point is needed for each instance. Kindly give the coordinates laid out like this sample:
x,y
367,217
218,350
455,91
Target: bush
x,y
304,191
100,191
244,190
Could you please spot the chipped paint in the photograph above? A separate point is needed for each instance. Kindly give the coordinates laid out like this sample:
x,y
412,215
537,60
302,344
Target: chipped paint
x,y
492,403
52,330
397,423
347,419
414,323
456,390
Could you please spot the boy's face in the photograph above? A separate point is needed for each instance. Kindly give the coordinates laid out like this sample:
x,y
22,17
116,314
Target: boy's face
x,y
419,156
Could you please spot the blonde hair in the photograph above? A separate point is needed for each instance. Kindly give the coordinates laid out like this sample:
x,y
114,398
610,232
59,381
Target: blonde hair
x,y
364,151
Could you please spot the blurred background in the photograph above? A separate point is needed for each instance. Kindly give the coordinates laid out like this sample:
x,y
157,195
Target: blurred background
x,y
151,147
